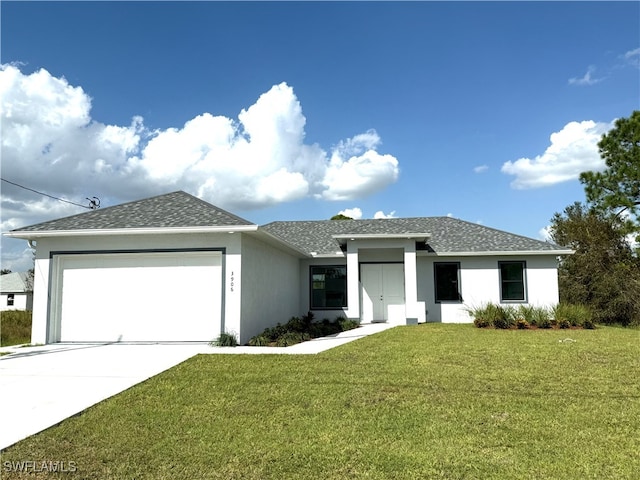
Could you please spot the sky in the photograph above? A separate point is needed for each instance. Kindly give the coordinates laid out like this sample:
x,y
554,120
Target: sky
x,y
484,111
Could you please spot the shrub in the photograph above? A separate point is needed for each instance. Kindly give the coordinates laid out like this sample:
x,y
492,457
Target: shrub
x,y
505,317
225,340
301,329
347,323
291,338
567,314
540,318
522,324
486,315
259,341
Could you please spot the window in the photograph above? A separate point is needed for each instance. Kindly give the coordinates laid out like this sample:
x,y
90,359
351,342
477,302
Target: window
x,y
10,299
512,284
447,281
328,287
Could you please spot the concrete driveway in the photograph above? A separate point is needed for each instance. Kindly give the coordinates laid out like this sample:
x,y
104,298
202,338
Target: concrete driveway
x,y
41,386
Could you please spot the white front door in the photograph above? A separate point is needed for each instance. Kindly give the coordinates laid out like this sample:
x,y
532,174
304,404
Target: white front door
x,y
382,291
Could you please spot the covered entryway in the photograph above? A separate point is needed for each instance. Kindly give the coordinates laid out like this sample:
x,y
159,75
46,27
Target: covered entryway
x,y
383,294
136,297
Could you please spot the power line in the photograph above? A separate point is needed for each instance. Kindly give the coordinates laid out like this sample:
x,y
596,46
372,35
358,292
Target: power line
x,y
93,203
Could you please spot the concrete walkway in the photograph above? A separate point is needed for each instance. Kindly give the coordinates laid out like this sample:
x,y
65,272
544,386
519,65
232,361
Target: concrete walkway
x,y
41,386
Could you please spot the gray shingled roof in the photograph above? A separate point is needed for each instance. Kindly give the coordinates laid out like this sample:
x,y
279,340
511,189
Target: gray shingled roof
x,y
15,282
172,210
446,234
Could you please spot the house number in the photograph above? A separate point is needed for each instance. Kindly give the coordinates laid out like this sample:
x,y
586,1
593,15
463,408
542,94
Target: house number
x,y
231,283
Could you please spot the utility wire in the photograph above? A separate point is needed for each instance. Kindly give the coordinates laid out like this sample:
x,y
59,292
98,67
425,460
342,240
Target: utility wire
x,y
93,204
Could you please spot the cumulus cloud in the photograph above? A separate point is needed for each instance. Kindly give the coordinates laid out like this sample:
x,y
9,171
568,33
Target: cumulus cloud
x,y
587,79
356,168
572,150
381,214
481,168
355,213
51,143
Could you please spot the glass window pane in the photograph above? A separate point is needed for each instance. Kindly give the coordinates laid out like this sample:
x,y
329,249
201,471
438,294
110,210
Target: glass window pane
x,y
328,286
446,282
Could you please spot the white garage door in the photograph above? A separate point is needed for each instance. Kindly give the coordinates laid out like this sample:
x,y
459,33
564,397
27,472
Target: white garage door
x,y
140,297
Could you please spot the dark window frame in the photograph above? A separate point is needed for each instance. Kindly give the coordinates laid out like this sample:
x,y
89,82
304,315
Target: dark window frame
x,y
341,294
457,297
11,298
505,282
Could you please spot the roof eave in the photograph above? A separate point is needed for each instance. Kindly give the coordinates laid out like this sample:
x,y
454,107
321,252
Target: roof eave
x,y
498,253
32,235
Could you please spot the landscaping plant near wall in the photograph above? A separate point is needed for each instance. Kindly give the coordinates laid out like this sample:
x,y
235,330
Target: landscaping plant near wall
x,y
527,316
301,329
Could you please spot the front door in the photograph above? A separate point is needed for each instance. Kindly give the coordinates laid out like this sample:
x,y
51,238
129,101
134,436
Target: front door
x,y
382,287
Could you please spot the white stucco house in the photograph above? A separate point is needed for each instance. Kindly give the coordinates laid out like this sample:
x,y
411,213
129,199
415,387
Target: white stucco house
x,y
16,292
176,268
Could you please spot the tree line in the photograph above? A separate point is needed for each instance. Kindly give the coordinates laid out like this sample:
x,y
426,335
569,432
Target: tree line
x,y
604,232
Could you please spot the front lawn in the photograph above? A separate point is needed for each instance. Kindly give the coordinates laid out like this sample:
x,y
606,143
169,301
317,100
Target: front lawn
x,y
427,401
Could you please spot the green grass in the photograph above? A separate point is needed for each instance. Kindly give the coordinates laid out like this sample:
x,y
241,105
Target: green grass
x,y
15,327
427,401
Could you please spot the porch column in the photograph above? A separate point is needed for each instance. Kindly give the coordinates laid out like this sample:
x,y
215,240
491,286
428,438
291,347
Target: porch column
x,y
412,308
353,285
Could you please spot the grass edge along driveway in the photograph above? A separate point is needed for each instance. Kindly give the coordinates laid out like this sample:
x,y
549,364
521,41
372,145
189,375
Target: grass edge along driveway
x,y
427,401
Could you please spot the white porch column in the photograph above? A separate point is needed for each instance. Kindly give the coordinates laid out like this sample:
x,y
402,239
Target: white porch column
x,y
413,310
353,285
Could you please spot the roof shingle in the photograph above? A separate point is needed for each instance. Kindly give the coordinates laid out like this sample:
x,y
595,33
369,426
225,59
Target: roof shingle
x,y
447,235
172,210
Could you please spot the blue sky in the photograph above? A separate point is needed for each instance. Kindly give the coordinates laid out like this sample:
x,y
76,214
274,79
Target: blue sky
x,y
483,111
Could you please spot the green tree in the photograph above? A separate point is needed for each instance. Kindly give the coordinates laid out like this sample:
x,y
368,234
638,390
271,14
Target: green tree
x,y
617,188
603,272
340,216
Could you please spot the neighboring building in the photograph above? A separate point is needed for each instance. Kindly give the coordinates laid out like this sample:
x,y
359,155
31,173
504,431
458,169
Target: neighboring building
x,y
16,291
176,268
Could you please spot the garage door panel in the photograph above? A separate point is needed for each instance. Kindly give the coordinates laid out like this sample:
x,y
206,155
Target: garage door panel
x,y
141,297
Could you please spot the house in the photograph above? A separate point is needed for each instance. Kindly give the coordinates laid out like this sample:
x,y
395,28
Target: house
x,y
176,268
16,292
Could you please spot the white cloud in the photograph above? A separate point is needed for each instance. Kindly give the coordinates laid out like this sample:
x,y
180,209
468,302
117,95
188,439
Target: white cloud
x,y
357,169
573,150
633,57
481,168
51,143
586,79
381,214
545,233
354,213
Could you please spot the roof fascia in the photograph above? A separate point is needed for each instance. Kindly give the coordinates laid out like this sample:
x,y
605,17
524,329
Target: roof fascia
x,y
27,235
497,253
391,236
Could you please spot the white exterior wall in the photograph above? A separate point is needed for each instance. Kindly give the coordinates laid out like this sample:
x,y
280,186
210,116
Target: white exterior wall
x,y
271,287
21,301
45,271
480,284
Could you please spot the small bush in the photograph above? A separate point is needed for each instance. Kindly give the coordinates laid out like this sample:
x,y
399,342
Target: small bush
x,y
259,341
567,314
347,324
522,324
292,338
225,340
301,329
